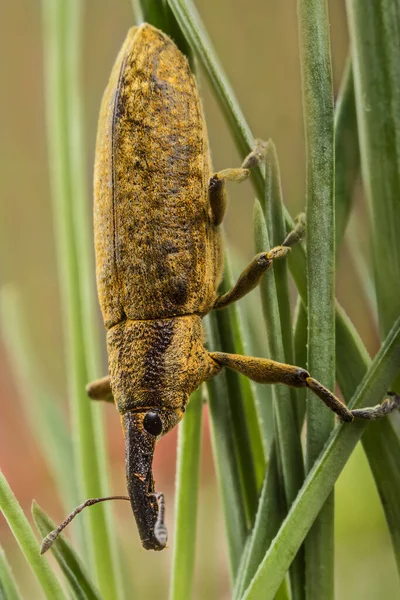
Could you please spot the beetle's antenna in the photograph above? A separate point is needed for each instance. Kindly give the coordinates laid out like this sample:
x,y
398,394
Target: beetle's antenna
x,y
160,530
53,535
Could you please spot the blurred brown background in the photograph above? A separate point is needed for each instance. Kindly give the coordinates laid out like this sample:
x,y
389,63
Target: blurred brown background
x,y
257,45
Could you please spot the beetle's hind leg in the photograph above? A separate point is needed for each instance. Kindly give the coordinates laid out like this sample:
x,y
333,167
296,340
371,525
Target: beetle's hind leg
x,y
100,390
250,277
264,370
216,189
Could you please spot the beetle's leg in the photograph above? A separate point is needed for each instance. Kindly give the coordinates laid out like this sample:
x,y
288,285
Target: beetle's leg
x,y
264,370
100,390
216,189
390,404
250,277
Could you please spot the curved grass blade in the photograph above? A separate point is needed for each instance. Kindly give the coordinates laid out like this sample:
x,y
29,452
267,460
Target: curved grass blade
x,y
321,479
8,586
69,562
186,499
28,543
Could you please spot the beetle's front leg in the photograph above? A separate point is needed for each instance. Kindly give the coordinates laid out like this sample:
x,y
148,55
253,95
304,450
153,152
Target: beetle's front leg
x,y
216,186
252,274
100,390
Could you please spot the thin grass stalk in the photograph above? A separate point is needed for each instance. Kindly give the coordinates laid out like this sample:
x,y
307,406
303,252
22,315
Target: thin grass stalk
x,y
375,42
246,430
325,471
226,462
102,525
347,153
270,515
61,24
318,112
287,435
28,543
8,586
186,499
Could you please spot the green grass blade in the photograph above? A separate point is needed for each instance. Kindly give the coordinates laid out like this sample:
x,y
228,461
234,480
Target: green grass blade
x,y
102,522
318,112
28,543
380,441
347,153
375,43
186,499
62,43
191,24
269,516
46,419
8,586
300,355
70,563
226,462
321,479
246,427
287,432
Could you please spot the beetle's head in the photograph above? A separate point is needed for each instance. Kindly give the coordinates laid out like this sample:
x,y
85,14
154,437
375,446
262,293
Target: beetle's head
x,y
142,430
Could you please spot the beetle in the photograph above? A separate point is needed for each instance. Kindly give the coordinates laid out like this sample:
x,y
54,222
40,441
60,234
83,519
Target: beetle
x,y
158,208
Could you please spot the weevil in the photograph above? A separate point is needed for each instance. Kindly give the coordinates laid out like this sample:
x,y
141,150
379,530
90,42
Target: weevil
x,y
158,209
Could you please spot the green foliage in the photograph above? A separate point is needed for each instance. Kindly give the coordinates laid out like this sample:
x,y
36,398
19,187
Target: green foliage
x,y
269,509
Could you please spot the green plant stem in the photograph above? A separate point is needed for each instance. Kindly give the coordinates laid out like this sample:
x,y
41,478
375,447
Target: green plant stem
x,y
226,462
187,490
28,543
318,111
287,433
347,153
8,586
246,430
62,37
325,471
375,43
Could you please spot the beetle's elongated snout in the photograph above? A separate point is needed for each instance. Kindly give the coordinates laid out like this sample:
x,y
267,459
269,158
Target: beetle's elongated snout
x,y
139,452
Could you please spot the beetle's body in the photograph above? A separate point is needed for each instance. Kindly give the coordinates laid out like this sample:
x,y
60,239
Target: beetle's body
x,y
158,253
157,214
157,250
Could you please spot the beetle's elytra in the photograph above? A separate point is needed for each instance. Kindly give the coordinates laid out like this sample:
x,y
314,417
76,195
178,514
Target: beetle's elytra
x,y
157,214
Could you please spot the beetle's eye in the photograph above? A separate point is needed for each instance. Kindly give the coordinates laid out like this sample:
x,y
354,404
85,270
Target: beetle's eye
x,y
152,423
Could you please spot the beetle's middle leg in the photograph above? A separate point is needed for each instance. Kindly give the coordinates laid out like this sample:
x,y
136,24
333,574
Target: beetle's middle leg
x,y
252,274
100,390
216,189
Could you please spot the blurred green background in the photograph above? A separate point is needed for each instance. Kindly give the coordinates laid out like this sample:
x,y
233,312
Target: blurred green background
x,y
257,45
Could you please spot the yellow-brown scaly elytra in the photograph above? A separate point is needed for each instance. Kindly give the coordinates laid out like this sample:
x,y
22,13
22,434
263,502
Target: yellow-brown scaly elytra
x,y
157,215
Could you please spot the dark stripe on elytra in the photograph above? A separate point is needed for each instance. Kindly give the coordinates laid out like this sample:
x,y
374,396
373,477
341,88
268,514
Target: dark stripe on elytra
x,y
154,363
